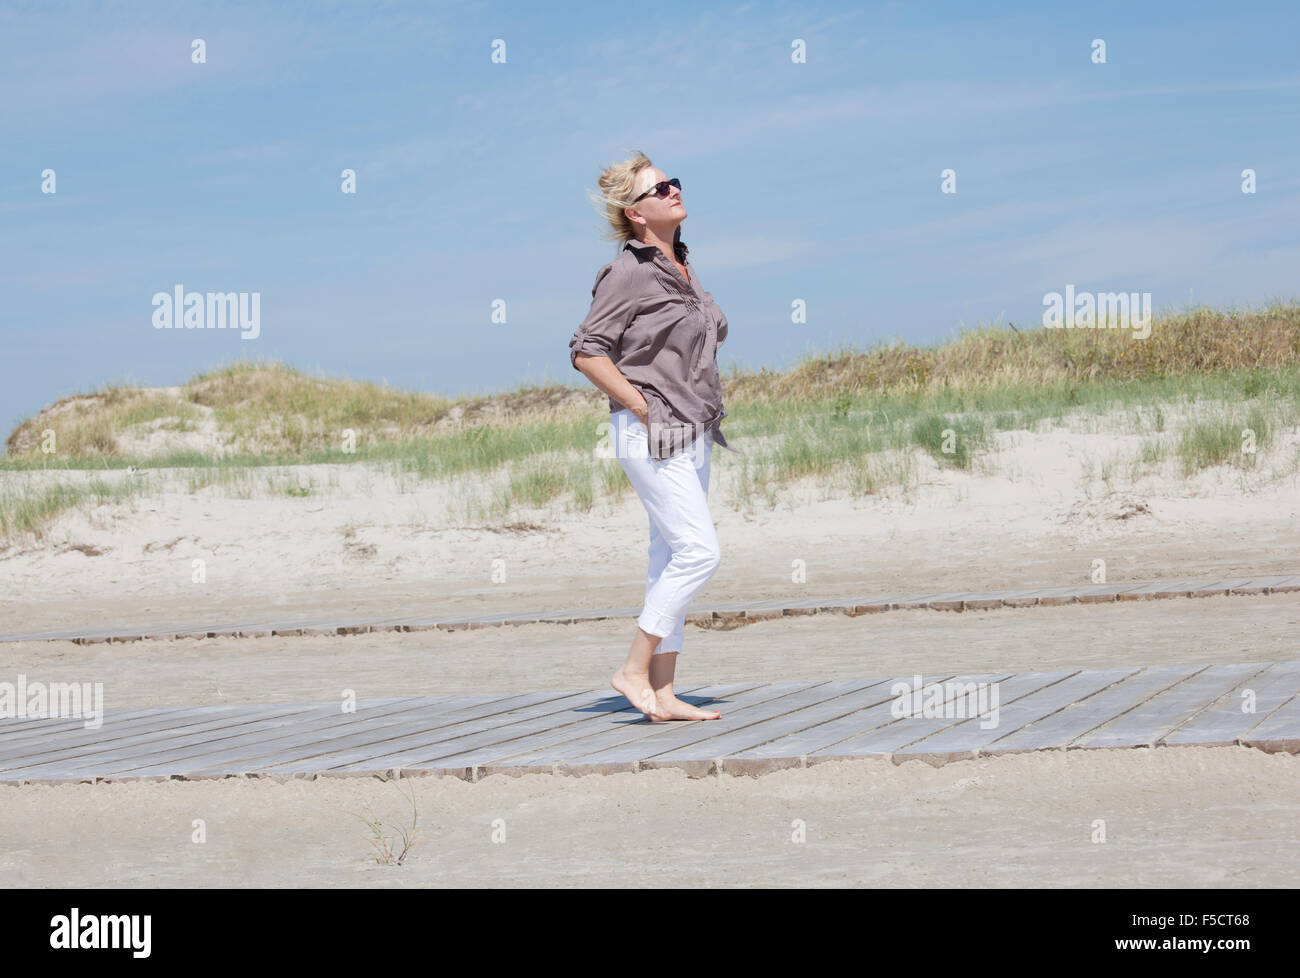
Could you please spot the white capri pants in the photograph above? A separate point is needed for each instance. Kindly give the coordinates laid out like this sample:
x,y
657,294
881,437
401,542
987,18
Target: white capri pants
x,y
684,552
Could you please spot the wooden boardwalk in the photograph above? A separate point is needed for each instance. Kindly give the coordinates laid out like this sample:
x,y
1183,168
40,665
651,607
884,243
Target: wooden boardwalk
x,y
764,727
736,612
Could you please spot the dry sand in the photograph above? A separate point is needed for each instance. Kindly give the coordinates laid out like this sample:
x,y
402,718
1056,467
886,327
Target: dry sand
x,y
1173,816
1188,816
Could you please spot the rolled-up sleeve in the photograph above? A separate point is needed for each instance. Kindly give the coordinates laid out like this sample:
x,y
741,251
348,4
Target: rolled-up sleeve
x,y
613,305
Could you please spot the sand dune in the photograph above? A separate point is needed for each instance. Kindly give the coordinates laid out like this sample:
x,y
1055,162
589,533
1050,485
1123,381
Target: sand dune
x,y
366,542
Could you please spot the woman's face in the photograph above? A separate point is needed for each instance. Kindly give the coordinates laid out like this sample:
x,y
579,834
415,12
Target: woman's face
x,y
659,211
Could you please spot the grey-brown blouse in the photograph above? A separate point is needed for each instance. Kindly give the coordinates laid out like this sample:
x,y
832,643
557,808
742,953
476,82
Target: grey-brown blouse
x,y
662,333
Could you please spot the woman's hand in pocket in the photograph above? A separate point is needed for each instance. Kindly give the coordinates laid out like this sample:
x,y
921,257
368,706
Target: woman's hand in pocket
x,y
643,412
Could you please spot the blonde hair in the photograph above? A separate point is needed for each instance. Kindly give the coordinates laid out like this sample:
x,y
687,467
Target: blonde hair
x,y
617,185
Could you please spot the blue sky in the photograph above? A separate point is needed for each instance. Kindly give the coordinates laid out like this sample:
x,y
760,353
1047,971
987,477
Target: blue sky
x,y
817,181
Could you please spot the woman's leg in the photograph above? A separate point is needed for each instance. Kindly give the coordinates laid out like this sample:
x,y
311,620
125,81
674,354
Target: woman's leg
x,y
661,680
633,677
683,554
663,665
660,555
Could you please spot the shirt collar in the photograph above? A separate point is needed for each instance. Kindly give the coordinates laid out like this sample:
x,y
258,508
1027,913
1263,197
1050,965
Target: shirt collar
x,y
641,246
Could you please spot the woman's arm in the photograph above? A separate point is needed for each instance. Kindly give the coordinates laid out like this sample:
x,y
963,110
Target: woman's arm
x,y
602,372
613,307
719,317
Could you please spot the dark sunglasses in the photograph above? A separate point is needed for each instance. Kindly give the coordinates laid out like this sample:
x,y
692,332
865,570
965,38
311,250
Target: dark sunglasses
x,y
661,189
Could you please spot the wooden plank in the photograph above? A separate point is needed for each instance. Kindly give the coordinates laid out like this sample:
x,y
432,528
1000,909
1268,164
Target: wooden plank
x,y
624,733
953,602
1129,588
706,609
674,736
376,751
653,734
483,753
1144,725
237,755
580,614
149,720
497,754
924,599
1280,731
872,712
120,722
1233,582
972,734
1224,723
310,754
101,758
15,730
628,727
98,759
1079,718
907,729
508,741
1263,582
802,603
1214,587
1085,590
846,698
21,752
336,731
1168,587
87,744
885,601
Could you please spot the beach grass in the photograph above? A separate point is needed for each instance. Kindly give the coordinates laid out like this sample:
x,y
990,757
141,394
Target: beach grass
x,y
857,421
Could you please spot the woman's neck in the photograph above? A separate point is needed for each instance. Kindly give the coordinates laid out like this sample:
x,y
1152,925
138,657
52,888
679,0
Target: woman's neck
x,y
665,243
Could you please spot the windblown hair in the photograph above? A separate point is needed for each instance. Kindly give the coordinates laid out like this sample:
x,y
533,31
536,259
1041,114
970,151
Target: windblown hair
x,y
617,189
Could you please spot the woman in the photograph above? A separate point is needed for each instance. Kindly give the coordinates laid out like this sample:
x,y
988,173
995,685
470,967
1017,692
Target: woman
x,y
650,342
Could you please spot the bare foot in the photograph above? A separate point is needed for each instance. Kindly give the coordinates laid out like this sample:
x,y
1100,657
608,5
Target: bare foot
x,y
680,710
639,693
